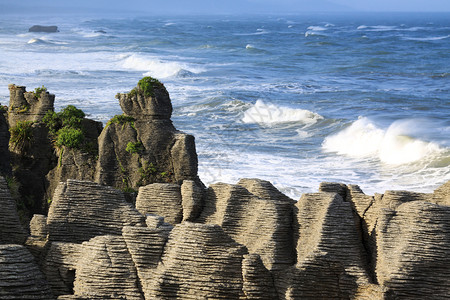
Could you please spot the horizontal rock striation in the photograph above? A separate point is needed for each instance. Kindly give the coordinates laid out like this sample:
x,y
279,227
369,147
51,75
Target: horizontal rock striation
x,y
82,210
199,262
163,199
245,216
11,232
117,278
249,241
20,277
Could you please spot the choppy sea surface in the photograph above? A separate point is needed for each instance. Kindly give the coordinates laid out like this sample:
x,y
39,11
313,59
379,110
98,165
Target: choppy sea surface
x,y
355,98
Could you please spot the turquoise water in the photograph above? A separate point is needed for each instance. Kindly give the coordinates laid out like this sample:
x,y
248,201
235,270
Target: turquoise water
x,y
297,100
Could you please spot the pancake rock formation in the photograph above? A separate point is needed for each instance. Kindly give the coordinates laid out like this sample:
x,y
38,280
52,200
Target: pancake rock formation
x,y
246,241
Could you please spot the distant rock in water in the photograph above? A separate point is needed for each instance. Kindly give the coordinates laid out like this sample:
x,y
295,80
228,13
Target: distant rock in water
x,y
40,28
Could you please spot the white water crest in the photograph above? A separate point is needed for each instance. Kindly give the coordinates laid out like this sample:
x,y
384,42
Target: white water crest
x,y
267,113
156,67
393,146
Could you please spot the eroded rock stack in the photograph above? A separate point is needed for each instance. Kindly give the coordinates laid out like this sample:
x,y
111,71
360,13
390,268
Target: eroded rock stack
x,y
142,146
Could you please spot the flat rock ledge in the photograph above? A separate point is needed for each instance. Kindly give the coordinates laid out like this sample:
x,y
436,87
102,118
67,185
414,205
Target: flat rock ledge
x,y
241,241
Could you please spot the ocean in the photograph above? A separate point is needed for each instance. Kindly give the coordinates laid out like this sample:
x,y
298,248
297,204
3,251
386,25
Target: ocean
x,y
297,100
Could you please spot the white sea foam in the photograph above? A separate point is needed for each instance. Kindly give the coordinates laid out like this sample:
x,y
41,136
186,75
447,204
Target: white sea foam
x,y
156,67
267,113
424,39
377,28
316,28
394,146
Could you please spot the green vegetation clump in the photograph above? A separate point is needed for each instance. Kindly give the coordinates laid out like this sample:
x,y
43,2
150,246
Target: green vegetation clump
x,y
22,109
52,122
38,91
21,135
122,119
3,109
71,116
149,173
70,137
65,126
148,86
134,147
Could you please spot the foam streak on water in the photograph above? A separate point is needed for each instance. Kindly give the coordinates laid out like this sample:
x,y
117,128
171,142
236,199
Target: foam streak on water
x,y
270,97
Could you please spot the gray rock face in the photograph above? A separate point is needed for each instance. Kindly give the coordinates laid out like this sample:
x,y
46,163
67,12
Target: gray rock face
x,y
245,216
118,277
60,265
413,250
26,106
330,256
41,28
199,262
11,232
163,199
82,210
5,164
20,277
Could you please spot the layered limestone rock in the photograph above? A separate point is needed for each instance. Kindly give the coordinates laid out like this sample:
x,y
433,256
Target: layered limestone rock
x,y
163,199
27,106
199,262
5,164
82,210
142,146
245,215
60,266
20,277
192,200
146,246
413,250
11,232
258,282
330,256
118,277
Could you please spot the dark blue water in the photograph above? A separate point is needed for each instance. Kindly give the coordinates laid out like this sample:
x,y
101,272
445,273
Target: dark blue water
x,y
360,99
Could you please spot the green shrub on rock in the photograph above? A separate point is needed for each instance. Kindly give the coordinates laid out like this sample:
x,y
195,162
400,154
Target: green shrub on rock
x,y
52,121
70,137
38,91
21,135
148,85
121,119
71,116
65,126
134,147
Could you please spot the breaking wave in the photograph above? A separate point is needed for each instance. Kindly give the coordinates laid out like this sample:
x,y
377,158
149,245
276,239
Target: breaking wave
x,y
393,146
267,113
156,67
